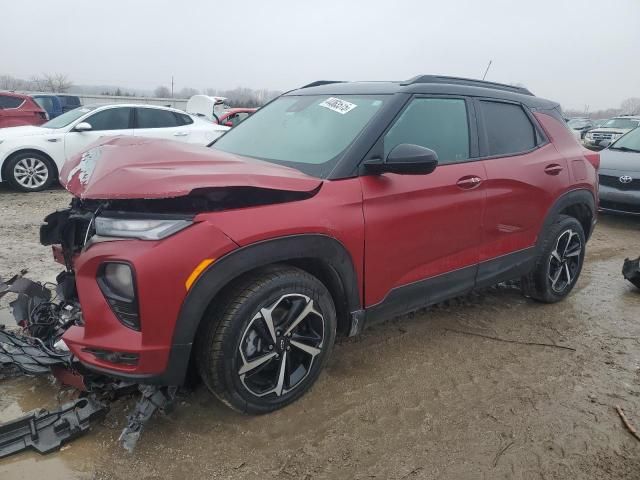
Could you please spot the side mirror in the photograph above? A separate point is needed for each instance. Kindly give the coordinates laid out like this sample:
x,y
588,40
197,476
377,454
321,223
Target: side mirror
x,y
407,159
83,127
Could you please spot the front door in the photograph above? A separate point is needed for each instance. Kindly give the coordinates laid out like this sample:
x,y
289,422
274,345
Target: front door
x,y
423,232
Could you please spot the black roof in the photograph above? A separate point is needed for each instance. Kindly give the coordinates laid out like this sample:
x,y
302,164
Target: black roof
x,y
427,84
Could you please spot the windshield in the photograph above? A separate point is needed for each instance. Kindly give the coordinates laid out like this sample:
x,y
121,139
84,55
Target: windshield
x,y
621,123
578,123
65,119
630,142
309,133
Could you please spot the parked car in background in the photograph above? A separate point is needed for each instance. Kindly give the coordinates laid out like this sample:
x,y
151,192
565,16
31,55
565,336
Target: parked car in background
x,y
334,207
234,116
580,125
17,110
31,157
610,131
205,106
69,102
620,175
49,103
600,122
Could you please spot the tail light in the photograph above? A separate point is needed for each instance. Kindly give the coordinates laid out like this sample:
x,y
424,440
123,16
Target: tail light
x,y
43,115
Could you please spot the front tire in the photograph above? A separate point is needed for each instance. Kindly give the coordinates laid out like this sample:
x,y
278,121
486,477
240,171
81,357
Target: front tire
x,y
30,172
265,343
559,262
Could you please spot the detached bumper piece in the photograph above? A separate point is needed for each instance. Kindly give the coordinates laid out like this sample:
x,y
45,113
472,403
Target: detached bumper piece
x,y
29,355
45,431
631,271
153,398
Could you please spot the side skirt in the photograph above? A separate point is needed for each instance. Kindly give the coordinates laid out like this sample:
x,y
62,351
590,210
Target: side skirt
x,y
430,291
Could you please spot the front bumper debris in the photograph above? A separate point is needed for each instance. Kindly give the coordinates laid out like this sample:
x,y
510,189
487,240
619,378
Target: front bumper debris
x,y
46,431
631,271
35,347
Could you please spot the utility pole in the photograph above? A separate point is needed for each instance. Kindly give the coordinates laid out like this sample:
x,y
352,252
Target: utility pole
x,y
171,86
485,72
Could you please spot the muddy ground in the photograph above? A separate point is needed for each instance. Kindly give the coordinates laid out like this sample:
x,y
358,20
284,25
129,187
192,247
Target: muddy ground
x,y
409,399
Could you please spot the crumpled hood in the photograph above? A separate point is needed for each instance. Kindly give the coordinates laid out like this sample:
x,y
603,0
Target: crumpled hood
x,y
143,168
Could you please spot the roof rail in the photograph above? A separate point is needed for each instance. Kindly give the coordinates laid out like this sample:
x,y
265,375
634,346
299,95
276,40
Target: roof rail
x,y
317,83
465,81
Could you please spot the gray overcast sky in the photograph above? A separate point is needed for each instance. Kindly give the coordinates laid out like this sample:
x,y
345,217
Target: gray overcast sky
x,y
583,52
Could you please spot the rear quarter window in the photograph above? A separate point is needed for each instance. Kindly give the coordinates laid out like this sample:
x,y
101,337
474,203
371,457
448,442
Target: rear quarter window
x,y
508,128
10,102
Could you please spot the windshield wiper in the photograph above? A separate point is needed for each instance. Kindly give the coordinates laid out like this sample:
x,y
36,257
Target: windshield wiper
x,y
624,149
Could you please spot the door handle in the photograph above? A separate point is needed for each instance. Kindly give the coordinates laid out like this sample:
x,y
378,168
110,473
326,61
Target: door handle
x,y
469,182
180,134
553,169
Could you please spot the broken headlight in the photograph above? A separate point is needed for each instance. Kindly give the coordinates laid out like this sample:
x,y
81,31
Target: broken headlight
x,y
117,283
141,228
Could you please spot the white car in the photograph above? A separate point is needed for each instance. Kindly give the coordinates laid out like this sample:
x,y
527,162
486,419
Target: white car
x,y
31,157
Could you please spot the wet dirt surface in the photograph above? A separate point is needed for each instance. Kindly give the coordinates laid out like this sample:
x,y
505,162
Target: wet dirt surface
x,y
408,399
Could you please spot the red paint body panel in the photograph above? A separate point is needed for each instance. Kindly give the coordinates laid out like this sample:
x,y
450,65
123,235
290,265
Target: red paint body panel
x,y
420,226
134,167
171,260
233,111
28,113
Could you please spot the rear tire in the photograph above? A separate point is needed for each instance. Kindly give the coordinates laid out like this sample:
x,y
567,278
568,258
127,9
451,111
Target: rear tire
x,y
265,343
559,262
30,172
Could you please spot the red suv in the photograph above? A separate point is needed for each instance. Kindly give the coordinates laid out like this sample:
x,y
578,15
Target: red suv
x,y
333,207
18,110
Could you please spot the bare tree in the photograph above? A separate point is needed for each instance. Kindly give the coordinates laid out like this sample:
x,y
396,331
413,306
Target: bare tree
x,y
631,106
55,83
7,82
162,92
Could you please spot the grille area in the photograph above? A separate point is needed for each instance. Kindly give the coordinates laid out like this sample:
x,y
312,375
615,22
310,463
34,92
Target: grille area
x,y
603,135
613,181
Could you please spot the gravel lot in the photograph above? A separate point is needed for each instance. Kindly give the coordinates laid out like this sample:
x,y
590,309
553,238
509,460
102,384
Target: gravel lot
x,y
413,398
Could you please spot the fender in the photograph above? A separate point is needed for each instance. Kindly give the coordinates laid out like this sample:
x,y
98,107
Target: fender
x,y
567,200
242,260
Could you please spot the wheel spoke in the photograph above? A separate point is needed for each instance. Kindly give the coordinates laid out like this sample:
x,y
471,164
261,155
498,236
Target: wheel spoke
x,y
283,365
266,315
313,351
566,268
253,364
555,278
308,308
575,252
555,255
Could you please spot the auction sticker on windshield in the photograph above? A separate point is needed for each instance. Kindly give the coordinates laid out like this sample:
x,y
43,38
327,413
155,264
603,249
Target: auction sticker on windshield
x,y
337,105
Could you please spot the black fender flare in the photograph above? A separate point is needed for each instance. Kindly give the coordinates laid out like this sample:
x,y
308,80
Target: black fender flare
x,y
572,198
242,260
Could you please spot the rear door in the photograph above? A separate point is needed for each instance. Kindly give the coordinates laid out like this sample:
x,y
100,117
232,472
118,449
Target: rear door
x,y
525,175
105,123
423,232
158,123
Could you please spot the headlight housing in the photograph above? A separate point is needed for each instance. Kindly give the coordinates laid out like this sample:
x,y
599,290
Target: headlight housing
x,y
153,228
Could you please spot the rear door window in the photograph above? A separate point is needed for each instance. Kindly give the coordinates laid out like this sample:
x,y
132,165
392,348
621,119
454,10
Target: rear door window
x,y
156,118
111,119
508,128
10,102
